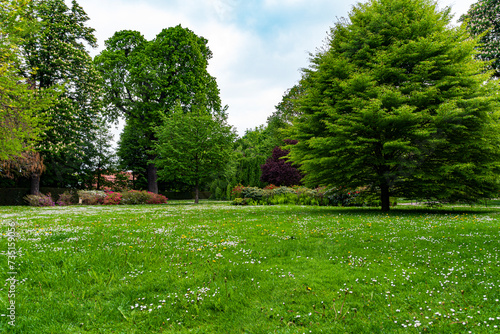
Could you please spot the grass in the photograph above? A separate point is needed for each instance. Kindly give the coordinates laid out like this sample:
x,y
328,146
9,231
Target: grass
x,y
216,268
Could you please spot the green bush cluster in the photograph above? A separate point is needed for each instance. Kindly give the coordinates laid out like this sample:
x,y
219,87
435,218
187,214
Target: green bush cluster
x,y
278,195
272,195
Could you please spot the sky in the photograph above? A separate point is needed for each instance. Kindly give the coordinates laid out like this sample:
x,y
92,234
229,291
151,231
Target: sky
x,y
258,46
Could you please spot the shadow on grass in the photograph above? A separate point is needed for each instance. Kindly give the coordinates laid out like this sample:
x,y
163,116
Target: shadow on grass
x,y
413,209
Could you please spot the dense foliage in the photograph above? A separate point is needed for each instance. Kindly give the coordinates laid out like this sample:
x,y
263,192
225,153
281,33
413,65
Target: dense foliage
x,y
399,105
147,79
277,170
482,20
22,110
191,147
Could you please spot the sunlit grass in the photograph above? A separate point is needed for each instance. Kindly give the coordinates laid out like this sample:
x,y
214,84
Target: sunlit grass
x,y
216,268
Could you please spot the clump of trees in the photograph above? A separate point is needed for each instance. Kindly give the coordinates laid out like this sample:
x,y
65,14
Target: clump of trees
x,y
397,103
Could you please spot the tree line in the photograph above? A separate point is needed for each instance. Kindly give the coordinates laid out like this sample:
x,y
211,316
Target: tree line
x,y
397,102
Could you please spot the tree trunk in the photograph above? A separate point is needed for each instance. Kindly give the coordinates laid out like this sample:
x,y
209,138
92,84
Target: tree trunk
x,y
152,179
384,197
196,194
35,184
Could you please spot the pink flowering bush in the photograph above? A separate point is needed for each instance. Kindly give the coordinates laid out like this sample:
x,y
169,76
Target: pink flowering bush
x,y
156,198
112,198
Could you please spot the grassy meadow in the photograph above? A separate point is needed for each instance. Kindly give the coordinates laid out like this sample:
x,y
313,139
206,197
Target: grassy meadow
x,y
217,268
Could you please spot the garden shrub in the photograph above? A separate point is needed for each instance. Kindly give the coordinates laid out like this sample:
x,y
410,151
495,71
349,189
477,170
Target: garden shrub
x,y
112,198
91,197
156,198
39,200
240,201
343,197
66,198
135,197
236,192
142,197
254,193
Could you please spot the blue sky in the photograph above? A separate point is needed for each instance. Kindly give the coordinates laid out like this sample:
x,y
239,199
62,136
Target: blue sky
x,y
258,46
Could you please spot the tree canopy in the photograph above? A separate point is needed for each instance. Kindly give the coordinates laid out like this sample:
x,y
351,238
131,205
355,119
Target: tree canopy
x,y
22,116
192,146
482,19
146,79
397,104
55,57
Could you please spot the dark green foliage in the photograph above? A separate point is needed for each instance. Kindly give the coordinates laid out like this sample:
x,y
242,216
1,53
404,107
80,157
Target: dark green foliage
x,y
132,153
147,79
57,50
482,20
398,105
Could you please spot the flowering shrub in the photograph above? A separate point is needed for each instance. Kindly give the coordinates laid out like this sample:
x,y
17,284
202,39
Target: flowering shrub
x,y
156,198
65,198
112,198
236,192
91,197
39,200
270,187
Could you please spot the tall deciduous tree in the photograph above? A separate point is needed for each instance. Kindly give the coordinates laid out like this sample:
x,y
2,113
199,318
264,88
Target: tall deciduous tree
x,y
22,116
145,79
399,104
57,50
192,146
483,19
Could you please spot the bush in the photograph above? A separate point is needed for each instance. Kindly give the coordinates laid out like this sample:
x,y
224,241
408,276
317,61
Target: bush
x,y
91,197
236,192
156,199
254,193
142,197
112,198
240,201
343,197
135,197
66,198
39,200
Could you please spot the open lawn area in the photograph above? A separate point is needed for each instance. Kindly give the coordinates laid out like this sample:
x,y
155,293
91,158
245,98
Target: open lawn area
x,y
217,268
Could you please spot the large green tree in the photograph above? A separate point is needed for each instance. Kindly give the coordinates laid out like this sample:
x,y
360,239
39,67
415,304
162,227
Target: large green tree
x,y
146,79
22,116
132,153
57,53
482,20
399,105
192,146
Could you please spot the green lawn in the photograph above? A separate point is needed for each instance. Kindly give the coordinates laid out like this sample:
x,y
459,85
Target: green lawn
x,y
217,268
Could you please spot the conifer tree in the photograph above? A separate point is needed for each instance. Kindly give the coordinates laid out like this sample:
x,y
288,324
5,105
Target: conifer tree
x,y
398,104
